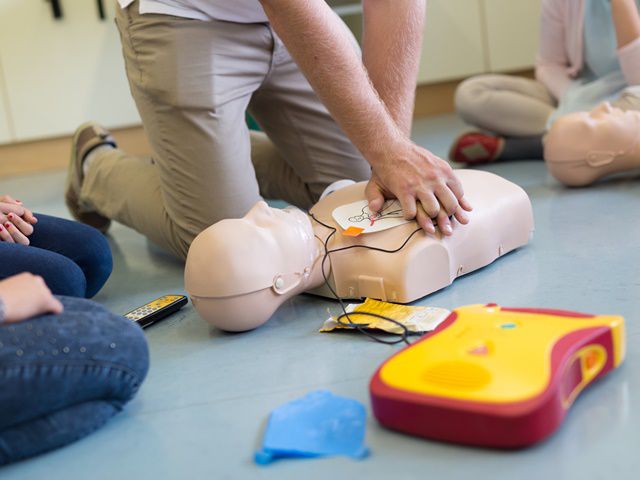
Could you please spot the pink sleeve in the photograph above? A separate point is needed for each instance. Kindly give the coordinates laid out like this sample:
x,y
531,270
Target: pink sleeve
x,y
629,56
552,63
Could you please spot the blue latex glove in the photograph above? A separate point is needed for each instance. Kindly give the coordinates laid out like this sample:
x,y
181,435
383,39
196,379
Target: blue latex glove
x,y
318,424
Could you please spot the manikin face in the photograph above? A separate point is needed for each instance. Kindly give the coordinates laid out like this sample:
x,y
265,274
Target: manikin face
x,y
599,135
269,247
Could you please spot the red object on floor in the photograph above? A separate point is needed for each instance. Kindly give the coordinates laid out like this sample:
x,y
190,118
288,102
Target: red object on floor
x,y
475,148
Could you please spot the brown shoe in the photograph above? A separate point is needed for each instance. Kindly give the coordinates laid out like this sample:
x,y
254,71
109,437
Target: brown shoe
x,y
87,137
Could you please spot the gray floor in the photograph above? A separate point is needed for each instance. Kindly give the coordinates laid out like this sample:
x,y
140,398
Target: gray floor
x,y
201,412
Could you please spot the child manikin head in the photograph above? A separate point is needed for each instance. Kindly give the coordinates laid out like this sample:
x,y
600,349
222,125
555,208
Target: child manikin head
x,y
584,146
261,260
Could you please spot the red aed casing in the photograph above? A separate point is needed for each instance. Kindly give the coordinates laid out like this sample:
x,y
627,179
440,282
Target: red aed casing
x,y
495,377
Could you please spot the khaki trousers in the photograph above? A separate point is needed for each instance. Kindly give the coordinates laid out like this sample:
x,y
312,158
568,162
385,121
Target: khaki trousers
x,y
192,82
515,106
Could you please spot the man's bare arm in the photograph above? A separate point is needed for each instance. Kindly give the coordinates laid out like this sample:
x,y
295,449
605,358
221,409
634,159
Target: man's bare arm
x,y
393,31
322,47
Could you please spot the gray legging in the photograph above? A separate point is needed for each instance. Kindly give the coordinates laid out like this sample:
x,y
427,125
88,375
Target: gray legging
x,y
517,108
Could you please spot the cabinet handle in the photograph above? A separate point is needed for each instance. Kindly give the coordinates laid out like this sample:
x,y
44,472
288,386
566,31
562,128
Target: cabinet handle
x,y
101,13
56,8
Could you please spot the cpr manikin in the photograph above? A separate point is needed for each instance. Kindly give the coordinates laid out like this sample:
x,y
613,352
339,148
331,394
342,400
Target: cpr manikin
x,y
239,271
583,147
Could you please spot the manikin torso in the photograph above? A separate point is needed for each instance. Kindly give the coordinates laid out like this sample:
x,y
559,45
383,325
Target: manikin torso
x,y
239,271
583,147
500,222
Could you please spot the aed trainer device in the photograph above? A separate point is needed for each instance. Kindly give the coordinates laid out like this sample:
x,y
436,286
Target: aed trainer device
x,y
495,377
156,310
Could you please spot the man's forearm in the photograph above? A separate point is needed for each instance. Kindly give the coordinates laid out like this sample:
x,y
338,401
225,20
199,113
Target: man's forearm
x,y
322,47
393,31
626,20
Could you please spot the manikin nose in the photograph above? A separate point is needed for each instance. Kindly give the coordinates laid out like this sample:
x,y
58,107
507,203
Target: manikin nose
x,y
261,208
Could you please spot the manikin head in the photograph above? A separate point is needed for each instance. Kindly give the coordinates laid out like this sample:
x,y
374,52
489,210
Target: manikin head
x,y
584,146
239,271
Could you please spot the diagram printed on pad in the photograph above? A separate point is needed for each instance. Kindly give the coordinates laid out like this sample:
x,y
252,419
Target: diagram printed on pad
x,y
356,217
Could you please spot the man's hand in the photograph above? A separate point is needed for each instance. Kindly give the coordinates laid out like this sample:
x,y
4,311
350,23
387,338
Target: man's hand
x,y
377,125
425,185
25,296
16,222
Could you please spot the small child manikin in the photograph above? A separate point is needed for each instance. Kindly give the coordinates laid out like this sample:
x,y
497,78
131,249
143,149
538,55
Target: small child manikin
x,y
583,147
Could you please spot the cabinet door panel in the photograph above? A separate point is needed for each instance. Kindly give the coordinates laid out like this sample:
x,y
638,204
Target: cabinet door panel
x,y
5,133
452,46
512,33
60,73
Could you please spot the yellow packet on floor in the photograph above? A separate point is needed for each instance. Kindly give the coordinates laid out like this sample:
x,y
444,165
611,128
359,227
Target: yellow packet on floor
x,y
417,319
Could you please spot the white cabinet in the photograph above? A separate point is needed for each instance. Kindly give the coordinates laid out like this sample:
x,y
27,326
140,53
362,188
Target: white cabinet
x,y
60,73
512,33
5,133
452,46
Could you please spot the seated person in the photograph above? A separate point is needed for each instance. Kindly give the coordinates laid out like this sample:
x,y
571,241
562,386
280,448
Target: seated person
x,y
67,366
239,271
74,259
589,53
586,146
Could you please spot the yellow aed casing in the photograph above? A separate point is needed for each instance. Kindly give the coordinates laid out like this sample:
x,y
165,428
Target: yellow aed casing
x,y
493,376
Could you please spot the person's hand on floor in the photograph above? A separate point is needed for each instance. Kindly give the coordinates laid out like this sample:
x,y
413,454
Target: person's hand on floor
x,y
425,185
16,221
26,295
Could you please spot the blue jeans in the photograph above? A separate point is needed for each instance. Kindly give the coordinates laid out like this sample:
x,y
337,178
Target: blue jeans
x,y
63,376
74,259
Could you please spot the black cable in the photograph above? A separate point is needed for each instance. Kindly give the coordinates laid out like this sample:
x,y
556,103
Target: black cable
x,y
360,327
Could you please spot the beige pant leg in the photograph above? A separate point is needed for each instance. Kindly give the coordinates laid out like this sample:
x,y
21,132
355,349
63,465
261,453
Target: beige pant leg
x,y
314,149
505,105
192,96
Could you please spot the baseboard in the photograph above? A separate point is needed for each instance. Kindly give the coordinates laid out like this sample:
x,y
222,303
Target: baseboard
x,y
53,154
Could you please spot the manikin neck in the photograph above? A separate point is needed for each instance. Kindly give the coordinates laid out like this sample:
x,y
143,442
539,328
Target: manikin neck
x,y
630,158
320,235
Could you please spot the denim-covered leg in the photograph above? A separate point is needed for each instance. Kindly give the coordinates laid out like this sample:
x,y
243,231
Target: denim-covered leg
x,y
54,430
61,274
82,244
65,375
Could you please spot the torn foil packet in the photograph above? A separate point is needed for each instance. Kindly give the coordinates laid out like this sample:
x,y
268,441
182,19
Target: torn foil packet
x,y
417,319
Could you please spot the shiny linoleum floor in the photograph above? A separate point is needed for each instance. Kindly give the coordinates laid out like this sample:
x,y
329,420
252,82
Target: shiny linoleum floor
x,y
203,408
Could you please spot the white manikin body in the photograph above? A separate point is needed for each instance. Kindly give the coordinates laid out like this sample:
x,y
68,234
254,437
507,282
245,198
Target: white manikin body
x,y
239,271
